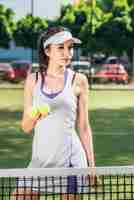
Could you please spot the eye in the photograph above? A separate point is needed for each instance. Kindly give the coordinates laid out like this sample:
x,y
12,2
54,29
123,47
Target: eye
x,y
60,47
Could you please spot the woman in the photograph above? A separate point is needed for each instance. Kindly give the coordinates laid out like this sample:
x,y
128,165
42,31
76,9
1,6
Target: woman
x,y
56,143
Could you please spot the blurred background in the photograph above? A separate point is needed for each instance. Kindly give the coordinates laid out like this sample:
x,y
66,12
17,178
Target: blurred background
x,y
105,27
105,56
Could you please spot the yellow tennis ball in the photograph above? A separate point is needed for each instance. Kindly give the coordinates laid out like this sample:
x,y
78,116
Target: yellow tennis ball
x,y
34,112
44,109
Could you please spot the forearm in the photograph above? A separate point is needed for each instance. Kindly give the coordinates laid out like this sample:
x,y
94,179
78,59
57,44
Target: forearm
x,y
27,124
87,142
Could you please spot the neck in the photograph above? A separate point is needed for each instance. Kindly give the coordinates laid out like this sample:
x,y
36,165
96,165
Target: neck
x,y
55,70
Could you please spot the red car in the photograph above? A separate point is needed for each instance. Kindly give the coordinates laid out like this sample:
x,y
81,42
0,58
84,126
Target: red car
x,y
20,69
6,71
114,73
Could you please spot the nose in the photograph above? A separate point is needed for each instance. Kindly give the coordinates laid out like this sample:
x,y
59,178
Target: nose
x,y
68,53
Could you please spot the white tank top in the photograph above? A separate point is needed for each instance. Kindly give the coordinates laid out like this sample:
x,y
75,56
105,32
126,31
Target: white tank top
x,y
55,136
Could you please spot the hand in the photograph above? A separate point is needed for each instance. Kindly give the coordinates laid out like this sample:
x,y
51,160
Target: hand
x,y
38,112
93,178
33,113
44,110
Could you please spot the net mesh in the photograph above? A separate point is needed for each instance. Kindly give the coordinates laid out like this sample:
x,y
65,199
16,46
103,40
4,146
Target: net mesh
x,y
115,183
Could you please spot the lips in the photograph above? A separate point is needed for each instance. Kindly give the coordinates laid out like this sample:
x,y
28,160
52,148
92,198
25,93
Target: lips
x,y
66,59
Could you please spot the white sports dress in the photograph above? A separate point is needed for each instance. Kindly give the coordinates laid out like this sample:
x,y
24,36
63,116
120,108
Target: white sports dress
x,y
55,142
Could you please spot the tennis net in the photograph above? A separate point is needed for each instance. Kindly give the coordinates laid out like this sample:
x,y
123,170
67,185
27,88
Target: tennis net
x,y
100,183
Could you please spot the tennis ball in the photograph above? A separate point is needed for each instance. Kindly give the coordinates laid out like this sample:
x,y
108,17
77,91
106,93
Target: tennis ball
x,y
44,109
34,112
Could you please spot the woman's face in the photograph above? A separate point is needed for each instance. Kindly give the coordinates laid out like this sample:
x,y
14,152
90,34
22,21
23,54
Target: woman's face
x,y
60,54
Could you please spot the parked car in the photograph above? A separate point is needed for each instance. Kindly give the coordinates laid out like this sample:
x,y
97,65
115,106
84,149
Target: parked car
x,y
82,67
20,69
115,61
115,73
6,71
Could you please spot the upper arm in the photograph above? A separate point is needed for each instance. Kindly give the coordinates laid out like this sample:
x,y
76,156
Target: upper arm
x,y
27,123
83,99
28,92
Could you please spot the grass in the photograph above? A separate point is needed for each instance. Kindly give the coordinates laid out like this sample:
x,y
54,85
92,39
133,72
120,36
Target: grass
x,y
15,145
112,121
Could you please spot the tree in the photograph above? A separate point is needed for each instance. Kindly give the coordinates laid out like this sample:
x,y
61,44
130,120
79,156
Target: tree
x,y
112,35
95,18
27,31
74,17
6,26
130,39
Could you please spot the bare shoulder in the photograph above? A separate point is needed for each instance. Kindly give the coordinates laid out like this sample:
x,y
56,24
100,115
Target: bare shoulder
x,y
82,80
30,80
79,76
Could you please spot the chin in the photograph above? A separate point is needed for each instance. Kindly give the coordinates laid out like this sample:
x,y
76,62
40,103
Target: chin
x,y
65,63
62,64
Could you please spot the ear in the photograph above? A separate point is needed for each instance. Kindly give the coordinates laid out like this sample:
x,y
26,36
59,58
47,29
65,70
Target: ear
x,y
47,51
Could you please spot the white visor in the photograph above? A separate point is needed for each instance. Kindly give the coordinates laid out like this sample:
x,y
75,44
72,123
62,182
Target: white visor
x,y
60,38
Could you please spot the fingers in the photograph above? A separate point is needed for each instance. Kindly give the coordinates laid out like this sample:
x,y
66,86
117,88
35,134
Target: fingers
x,y
94,180
36,112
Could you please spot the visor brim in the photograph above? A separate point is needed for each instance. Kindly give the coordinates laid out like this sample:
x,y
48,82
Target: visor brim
x,y
60,38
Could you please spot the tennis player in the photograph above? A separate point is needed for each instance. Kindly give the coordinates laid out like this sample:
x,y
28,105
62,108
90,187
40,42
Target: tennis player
x,y
56,142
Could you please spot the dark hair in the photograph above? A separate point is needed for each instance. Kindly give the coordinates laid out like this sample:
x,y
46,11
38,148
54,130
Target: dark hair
x,y
43,58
